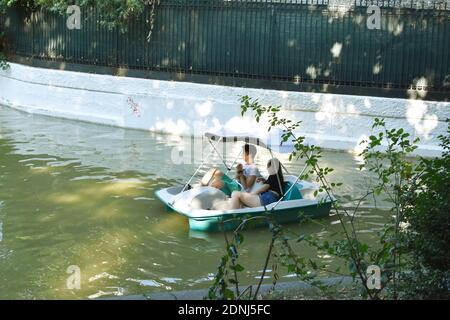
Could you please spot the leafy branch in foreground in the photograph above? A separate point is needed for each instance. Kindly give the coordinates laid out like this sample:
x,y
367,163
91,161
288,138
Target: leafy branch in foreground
x,y
226,283
3,62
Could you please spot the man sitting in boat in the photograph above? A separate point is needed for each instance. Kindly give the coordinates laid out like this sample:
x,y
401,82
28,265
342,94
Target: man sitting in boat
x,y
246,174
270,191
217,179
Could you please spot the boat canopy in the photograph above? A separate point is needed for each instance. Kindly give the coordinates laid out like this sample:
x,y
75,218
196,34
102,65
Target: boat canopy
x,y
271,140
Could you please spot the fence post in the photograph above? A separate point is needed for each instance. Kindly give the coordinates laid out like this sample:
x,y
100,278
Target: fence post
x,y
117,32
32,33
273,42
190,45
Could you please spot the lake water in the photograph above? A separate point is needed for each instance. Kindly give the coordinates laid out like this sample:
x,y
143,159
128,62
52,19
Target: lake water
x,y
74,193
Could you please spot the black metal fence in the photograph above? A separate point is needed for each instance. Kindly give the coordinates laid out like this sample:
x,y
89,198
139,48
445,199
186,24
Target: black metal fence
x,y
297,41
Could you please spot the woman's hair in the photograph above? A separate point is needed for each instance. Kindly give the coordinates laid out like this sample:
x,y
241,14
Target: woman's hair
x,y
250,149
275,167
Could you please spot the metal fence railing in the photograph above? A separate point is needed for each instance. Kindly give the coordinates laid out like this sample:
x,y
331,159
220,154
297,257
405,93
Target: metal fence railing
x,y
312,41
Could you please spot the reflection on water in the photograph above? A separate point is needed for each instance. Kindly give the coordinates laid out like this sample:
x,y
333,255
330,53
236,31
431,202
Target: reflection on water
x,y
81,194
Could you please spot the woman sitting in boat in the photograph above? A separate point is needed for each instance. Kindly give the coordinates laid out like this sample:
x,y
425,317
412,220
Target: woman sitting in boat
x,y
246,174
271,190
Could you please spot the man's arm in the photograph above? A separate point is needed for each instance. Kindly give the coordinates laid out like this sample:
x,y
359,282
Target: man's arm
x,y
247,182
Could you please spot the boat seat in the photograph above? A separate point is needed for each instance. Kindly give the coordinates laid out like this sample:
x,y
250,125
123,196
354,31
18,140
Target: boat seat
x,y
293,194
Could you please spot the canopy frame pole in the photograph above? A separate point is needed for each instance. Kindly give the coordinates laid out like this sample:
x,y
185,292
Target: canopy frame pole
x,y
198,169
225,164
235,160
220,155
289,190
285,169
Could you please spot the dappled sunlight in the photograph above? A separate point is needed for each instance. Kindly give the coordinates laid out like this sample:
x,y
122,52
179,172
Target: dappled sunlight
x,y
394,25
216,126
351,109
418,89
170,222
292,43
181,76
103,275
377,68
41,170
316,98
447,80
418,116
336,50
340,7
156,84
204,109
359,19
312,72
331,106
62,66
284,95
93,192
327,109
165,62
123,186
170,140
66,198
110,211
176,127
245,124
54,46
121,72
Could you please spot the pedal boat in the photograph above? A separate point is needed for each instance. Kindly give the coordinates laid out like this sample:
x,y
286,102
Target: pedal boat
x,y
205,209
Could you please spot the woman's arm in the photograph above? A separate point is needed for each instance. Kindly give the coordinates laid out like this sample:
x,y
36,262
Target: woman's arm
x,y
264,188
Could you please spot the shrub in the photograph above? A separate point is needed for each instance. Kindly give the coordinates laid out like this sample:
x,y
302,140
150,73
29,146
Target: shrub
x,y
427,236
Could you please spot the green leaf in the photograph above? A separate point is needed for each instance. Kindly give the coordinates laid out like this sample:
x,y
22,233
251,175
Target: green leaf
x,y
238,238
228,294
238,268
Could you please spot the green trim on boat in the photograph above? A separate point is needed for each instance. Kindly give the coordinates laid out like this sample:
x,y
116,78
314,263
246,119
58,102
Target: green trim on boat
x,y
231,222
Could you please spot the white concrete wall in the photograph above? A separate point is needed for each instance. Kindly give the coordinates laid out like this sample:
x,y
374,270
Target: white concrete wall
x,y
331,121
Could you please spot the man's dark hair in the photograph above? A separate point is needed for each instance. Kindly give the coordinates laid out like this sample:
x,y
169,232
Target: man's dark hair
x,y
250,149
